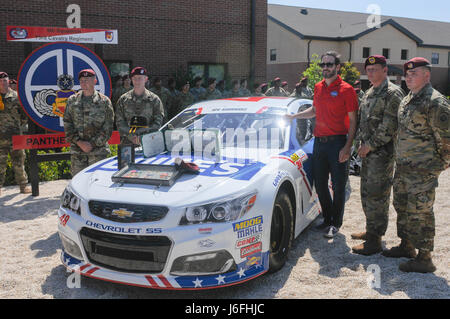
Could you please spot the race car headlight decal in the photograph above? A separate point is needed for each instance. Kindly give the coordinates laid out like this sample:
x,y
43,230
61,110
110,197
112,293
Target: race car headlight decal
x,y
212,263
70,247
218,212
70,201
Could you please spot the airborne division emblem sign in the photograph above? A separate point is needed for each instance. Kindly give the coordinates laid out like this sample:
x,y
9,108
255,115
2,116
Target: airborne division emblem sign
x,y
49,76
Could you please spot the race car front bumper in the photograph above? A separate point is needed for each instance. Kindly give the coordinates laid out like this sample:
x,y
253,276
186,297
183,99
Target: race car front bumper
x,y
172,259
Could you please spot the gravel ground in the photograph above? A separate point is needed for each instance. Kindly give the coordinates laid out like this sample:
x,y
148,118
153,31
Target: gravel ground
x,y
317,267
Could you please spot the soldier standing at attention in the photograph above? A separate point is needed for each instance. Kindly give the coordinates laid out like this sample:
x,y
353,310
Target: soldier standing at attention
x,y
422,152
211,92
10,124
88,123
377,129
164,96
173,101
244,88
139,105
185,98
276,90
198,90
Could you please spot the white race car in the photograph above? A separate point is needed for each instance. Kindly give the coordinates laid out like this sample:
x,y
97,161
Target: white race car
x,y
233,221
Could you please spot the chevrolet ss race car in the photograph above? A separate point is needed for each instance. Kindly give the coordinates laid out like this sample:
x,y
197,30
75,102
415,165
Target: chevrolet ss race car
x,y
232,221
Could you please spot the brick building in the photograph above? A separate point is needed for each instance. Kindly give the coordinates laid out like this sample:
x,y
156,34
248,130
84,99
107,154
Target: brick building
x,y
223,39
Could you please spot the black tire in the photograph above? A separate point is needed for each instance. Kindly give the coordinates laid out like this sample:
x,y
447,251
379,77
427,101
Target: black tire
x,y
281,232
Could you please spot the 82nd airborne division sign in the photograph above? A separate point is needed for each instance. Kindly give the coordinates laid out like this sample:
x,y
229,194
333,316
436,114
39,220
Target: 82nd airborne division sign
x,y
49,76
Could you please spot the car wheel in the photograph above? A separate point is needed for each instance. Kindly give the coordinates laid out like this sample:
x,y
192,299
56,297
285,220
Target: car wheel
x,y
281,232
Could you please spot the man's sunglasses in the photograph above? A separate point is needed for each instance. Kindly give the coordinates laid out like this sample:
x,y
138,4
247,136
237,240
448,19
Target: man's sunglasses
x,y
328,65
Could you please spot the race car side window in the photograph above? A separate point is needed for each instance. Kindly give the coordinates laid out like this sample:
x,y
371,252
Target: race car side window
x,y
304,127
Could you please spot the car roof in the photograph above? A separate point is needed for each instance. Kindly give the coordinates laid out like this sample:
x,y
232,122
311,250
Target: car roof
x,y
252,104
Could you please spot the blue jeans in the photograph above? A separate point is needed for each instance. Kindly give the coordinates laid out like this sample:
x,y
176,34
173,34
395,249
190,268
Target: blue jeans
x,y
326,162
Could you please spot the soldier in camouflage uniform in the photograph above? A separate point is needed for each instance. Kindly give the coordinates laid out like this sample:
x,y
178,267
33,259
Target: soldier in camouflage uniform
x,y
276,90
164,96
377,129
235,90
422,153
173,105
141,103
88,123
302,91
185,98
197,90
10,124
211,92
244,88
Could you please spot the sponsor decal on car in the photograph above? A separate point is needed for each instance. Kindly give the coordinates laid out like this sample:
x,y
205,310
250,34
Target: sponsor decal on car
x,y
279,177
123,230
251,249
248,227
64,219
247,241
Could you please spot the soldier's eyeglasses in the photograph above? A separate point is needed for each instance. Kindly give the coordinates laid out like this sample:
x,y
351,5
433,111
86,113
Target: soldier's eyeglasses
x,y
328,65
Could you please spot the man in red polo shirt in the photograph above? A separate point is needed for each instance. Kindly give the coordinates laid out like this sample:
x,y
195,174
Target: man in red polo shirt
x,y
335,108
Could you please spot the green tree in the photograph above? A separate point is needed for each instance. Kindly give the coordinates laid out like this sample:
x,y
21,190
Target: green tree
x,y
349,73
313,72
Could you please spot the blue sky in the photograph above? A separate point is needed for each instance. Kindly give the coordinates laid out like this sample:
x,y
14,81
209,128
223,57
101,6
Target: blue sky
x,y
438,10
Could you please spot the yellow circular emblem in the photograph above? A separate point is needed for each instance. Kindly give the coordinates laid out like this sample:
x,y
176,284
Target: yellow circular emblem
x,y
410,65
372,60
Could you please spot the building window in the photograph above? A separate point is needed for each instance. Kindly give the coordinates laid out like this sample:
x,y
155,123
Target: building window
x,y
273,54
208,70
434,58
366,52
386,53
404,54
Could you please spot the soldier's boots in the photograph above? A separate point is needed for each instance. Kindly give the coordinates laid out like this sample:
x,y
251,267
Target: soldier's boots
x,y
422,263
405,249
371,246
25,189
362,236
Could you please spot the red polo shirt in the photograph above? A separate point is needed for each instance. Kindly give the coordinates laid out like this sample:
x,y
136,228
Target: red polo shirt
x,y
333,103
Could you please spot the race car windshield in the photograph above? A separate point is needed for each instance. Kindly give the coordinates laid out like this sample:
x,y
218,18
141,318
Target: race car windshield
x,y
250,130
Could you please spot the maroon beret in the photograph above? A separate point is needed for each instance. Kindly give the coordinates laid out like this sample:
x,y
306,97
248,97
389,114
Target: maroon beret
x,y
284,83
12,81
276,79
86,73
138,71
415,63
304,79
375,59
3,75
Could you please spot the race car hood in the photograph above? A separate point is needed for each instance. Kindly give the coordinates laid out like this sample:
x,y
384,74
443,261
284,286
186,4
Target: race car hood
x,y
216,180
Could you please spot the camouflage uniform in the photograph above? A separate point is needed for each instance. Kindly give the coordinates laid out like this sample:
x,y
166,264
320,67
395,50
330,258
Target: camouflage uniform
x,y
184,100
91,119
211,95
276,92
422,153
244,92
377,129
164,96
147,105
197,93
10,124
173,103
